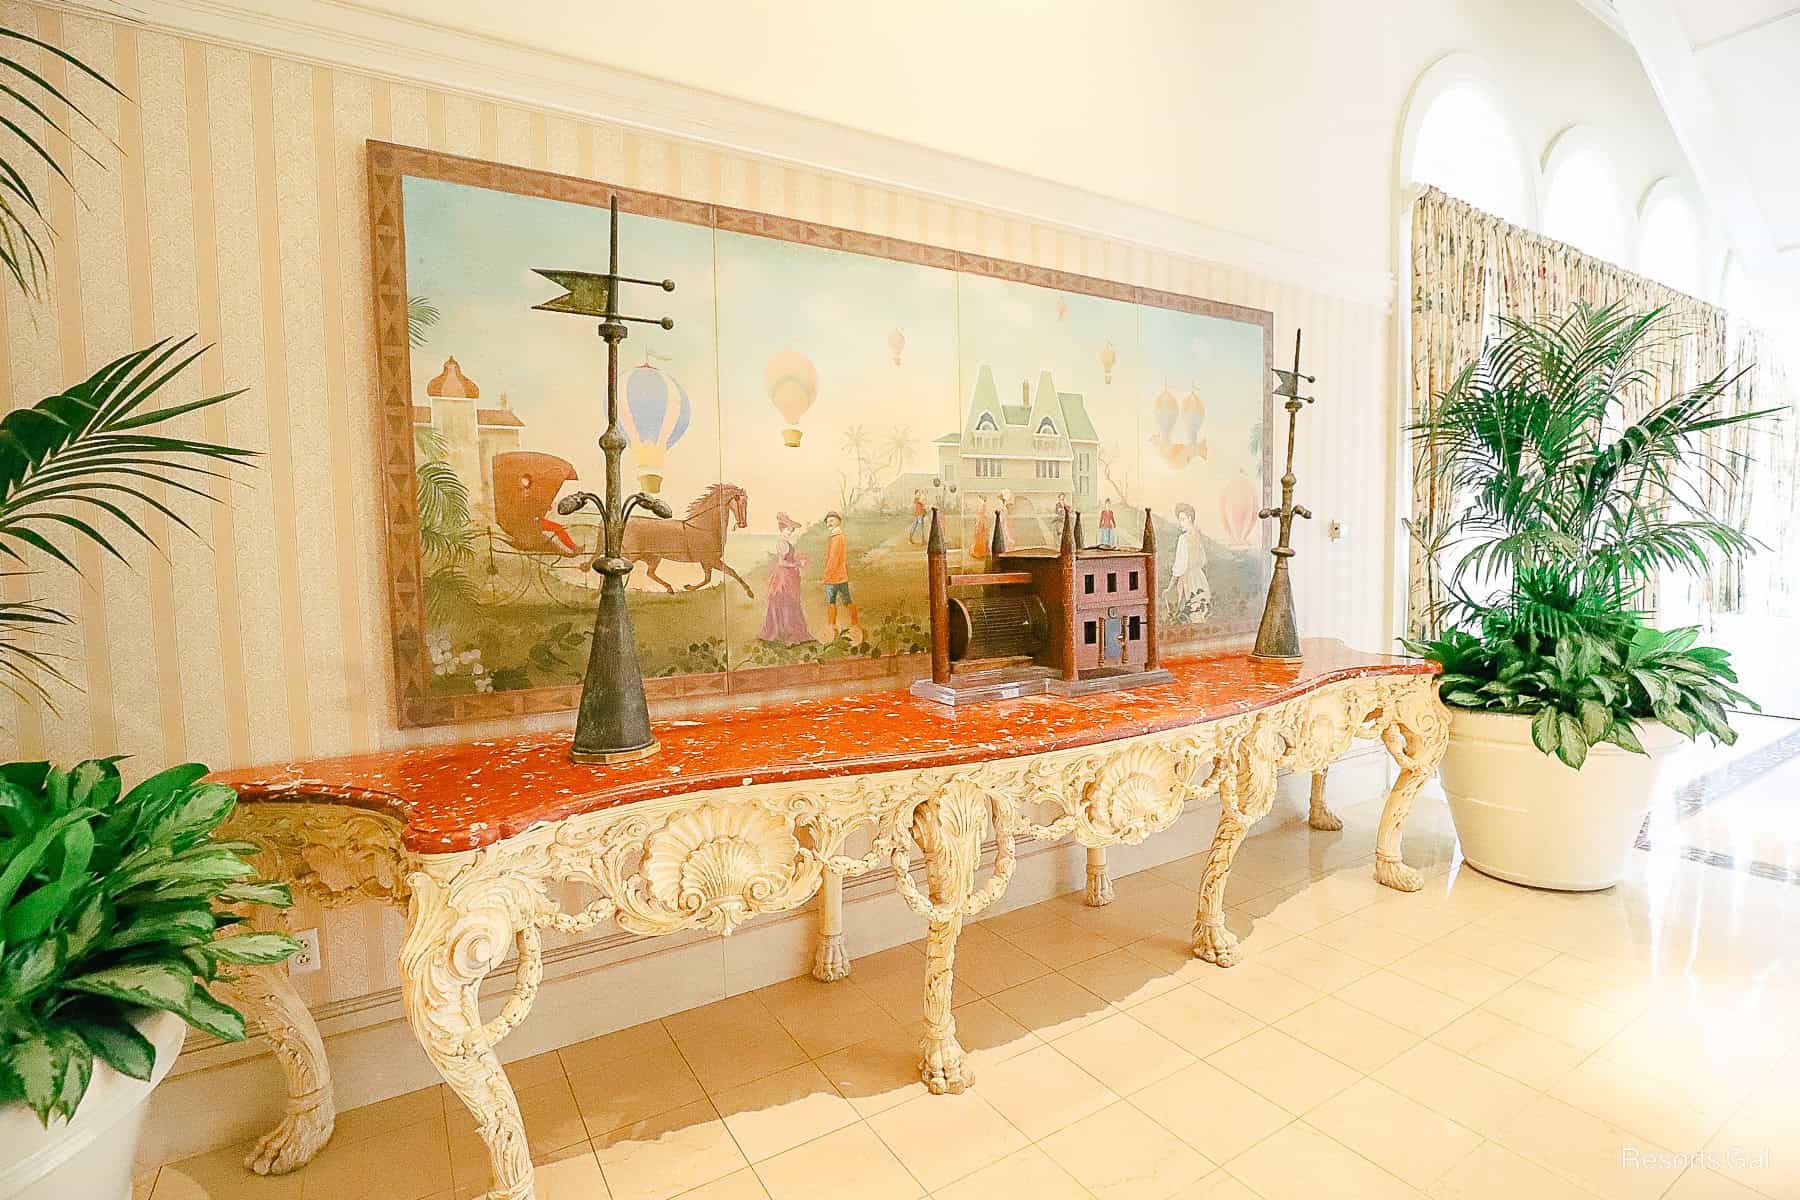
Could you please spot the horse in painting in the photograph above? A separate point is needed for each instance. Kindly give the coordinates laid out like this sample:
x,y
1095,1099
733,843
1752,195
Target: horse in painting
x,y
698,537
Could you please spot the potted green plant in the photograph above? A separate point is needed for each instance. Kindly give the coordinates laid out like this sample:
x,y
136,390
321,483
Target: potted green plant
x,y
1574,493
118,908
113,910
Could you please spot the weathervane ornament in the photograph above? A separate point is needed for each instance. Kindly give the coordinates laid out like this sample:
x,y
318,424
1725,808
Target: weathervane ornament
x,y
1278,637
613,722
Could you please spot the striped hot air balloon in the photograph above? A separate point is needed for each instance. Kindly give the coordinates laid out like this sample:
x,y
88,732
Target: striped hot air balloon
x,y
1165,410
1193,417
655,416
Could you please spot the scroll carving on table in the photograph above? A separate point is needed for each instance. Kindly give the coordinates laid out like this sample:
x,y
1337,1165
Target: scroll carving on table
x,y
821,390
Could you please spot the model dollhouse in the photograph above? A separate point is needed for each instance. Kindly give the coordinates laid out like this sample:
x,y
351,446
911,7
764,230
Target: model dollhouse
x,y
1068,621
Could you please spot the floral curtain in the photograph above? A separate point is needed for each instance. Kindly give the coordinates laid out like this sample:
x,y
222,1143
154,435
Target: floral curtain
x,y
1766,498
1469,268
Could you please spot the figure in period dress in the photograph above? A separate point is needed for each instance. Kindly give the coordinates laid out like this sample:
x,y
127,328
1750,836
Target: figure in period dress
x,y
1001,514
1190,592
983,536
1109,525
784,620
837,578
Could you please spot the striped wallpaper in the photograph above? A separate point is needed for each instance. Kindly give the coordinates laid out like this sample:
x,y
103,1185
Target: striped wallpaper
x,y
230,201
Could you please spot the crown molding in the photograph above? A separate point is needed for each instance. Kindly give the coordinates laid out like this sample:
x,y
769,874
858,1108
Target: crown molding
x,y
345,35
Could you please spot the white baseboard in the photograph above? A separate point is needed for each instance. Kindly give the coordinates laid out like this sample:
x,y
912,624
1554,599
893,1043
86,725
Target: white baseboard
x,y
219,1094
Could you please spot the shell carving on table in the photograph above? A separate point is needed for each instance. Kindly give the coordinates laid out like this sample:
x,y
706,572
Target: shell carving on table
x,y
1135,794
720,863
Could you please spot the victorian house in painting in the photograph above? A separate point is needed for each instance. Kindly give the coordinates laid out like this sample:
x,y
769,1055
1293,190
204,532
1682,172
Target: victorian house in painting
x,y
1039,450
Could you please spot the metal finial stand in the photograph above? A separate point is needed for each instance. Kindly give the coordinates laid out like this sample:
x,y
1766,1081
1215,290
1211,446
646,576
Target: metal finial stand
x,y
1278,637
613,722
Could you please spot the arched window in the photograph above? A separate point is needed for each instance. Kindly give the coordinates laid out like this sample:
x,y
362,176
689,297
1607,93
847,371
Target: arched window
x,y
1457,139
1581,197
1669,239
1046,428
985,423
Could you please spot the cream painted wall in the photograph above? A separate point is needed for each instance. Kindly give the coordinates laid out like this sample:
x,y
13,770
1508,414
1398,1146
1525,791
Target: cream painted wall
x,y
1274,119
230,201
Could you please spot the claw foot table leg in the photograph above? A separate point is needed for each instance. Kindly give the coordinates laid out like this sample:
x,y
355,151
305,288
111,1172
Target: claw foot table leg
x,y
1099,883
1318,816
1417,737
448,952
949,828
266,995
943,1065
1246,792
830,961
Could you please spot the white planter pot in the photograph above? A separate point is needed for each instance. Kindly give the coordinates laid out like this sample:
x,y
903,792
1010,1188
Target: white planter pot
x,y
90,1157
1524,816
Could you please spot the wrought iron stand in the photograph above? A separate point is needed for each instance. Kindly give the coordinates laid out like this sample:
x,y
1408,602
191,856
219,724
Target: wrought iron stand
x,y
1278,637
613,722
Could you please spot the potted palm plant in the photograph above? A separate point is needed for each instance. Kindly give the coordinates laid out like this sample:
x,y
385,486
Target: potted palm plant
x,y
118,906
1565,699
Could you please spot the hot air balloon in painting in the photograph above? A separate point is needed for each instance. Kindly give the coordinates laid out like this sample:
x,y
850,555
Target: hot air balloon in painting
x,y
1237,511
1165,410
793,384
1177,437
897,344
1108,358
655,415
1193,417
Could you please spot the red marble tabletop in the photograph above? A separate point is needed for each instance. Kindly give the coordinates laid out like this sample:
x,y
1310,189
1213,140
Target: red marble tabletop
x,y
469,794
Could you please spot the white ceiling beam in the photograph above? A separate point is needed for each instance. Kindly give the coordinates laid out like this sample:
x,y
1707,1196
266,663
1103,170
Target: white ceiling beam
x,y
1712,146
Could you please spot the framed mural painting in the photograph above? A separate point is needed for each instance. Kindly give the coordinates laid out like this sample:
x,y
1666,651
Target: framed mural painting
x,y
820,391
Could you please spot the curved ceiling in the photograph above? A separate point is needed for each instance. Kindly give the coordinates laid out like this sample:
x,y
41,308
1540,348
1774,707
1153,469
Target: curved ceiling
x,y
1728,74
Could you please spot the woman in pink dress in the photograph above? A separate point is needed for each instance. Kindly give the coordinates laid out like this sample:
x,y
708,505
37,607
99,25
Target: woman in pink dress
x,y
785,621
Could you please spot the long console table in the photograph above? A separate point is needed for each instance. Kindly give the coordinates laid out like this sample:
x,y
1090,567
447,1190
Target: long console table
x,y
750,811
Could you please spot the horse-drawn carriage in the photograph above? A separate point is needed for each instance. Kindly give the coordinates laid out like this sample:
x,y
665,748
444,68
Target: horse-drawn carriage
x,y
530,552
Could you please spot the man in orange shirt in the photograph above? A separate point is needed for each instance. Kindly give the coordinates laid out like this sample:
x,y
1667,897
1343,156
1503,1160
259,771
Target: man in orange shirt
x,y
837,574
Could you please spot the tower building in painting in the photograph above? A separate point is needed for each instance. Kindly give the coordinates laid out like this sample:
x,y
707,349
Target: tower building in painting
x,y
1040,448
471,435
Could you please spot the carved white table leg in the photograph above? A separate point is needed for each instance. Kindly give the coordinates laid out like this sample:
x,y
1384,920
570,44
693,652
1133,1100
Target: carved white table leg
x,y
267,997
830,961
1318,816
1246,792
457,932
1416,735
949,828
943,1065
1099,883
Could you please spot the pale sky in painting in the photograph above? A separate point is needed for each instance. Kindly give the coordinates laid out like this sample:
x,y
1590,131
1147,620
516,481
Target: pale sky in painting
x,y
839,310
471,251
1222,362
741,299
1020,330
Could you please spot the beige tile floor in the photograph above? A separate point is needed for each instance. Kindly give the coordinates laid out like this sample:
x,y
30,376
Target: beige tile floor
x,y
1473,1040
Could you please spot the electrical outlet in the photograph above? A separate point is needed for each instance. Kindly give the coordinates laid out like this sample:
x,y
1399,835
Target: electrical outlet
x,y
306,958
